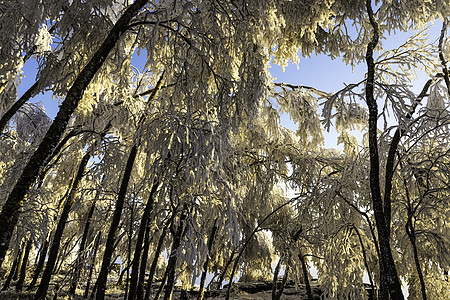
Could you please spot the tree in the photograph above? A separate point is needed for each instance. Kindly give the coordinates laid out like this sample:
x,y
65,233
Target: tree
x,y
206,150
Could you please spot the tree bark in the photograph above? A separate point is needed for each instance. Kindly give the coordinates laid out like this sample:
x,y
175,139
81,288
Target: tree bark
x,y
17,105
138,249
158,251
412,238
10,211
23,269
82,249
109,248
54,249
206,264
387,264
172,263
143,267
92,265
306,276
13,270
40,265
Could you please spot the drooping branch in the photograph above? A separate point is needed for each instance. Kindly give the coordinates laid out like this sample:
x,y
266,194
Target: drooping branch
x,y
389,174
10,211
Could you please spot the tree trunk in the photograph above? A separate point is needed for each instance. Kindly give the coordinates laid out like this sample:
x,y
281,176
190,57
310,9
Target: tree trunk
x,y
206,264
81,251
92,265
275,278
306,276
13,270
138,249
172,263
10,211
40,265
109,248
122,273
130,238
387,269
143,267
23,269
277,295
19,262
17,105
412,238
54,249
158,251
222,275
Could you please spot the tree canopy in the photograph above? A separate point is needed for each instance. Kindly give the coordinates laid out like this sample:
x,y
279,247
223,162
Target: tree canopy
x,y
179,167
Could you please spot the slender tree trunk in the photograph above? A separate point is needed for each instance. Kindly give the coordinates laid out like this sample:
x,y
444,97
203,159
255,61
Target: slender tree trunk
x,y
143,266
158,251
275,279
227,297
92,265
81,251
387,264
109,248
13,270
130,238
40,265
412,238
172,263
365,260
17,105
125,269
10,210
206,264
138,249
20,262
23,269
306,276
222,275
54,249
64,252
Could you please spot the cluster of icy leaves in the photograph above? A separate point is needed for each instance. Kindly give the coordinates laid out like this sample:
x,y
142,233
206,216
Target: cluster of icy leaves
x,y
350,116
302,108
32,122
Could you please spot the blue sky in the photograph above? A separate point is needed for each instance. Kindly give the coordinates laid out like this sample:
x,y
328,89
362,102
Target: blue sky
x,y
318,71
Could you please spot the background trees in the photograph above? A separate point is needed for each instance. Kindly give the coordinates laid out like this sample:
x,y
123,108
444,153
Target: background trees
x,y
186,155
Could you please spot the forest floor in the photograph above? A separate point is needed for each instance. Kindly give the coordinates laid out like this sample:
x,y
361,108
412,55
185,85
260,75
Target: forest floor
x,y
240,290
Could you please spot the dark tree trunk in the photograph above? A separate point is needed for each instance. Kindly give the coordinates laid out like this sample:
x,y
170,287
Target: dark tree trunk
x,y
81,251
387,265
10,210
222,275
54,249
158,251
19,262
172,263
143,266
109,247
130,238
412,238
40,265
275,279
125,269
23,269
92,265
138,249
206,264
366,263
236,262
277,295
306,276
17,105
13,270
